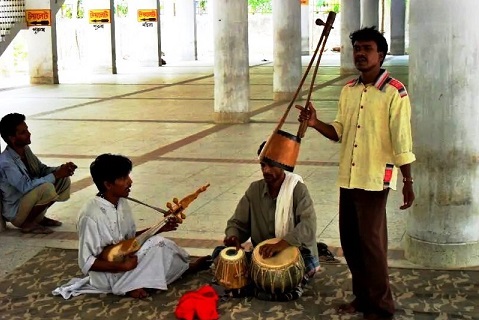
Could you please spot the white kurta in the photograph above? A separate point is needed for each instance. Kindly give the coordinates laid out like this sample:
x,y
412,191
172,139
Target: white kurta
x,y
160,261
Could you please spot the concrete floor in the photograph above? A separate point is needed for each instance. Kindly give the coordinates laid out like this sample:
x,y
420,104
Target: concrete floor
x,y
162,119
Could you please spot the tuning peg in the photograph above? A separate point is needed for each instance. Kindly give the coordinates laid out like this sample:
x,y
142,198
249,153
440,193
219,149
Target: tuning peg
x,y
183,216
320,22
175,201
169,205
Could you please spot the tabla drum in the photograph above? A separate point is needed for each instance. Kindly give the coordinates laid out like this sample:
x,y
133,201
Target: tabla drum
x,y
232,268
279,273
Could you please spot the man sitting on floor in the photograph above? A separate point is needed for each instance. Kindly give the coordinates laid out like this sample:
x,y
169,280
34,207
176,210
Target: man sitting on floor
x,y
278,206
107,219
29,187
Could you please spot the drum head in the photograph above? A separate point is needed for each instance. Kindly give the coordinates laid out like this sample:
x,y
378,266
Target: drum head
x,y
231,254
280,260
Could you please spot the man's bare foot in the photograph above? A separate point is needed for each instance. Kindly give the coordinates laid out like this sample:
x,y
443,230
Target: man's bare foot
x,y
138,293
36,229
202,263
348,308
47,222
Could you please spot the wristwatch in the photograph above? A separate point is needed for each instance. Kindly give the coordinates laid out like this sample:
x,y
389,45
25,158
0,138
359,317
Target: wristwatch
x,y
407,179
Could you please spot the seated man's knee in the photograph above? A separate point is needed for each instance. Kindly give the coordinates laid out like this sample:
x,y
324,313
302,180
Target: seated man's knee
x,y
44,194
62,188
46,187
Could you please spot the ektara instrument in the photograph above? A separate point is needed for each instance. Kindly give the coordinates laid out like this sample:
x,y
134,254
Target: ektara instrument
x,y
282,148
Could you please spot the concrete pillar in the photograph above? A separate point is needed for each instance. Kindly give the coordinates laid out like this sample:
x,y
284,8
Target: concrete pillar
x,y
442,227
231,61
42,42
143,32
350,22
98,48
286,48
305,27
186,29
370,13
398,27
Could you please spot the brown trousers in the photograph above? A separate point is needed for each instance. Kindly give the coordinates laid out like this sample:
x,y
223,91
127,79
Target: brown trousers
x,y
364,240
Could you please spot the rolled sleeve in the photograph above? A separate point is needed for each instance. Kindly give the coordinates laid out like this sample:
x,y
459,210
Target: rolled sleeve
x,y
89,243
404,158
401,132
338,121
20,181
87,266
338,127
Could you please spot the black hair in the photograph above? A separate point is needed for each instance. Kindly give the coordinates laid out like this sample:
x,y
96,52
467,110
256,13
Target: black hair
x,y
9,124
261,146
371,34
109,167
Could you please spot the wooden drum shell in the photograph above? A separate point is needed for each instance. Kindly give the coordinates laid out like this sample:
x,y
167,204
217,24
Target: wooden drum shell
x,y
232,270
280,273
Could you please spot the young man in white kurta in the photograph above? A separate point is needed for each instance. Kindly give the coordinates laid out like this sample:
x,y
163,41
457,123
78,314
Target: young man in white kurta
x,y
160,261
107,219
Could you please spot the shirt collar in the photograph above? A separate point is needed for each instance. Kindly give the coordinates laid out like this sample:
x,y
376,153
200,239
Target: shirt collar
x,y
12,152
265,191
106,202
380,80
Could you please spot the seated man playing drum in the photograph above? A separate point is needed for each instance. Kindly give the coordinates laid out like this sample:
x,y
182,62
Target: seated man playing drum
x,y
278,206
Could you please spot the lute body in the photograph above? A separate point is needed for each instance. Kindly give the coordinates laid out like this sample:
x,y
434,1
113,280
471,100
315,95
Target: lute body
x,y
118,252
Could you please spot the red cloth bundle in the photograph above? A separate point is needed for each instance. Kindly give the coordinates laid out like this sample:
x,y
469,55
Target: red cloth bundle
x,y
199,304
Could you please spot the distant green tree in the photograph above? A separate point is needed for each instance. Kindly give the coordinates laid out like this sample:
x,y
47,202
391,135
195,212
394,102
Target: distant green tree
x,y
260,6
335,7
66,11
328,5
202,5
80,10
121,8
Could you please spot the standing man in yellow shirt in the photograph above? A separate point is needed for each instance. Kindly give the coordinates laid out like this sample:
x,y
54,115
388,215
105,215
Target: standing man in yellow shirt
x,y
374,128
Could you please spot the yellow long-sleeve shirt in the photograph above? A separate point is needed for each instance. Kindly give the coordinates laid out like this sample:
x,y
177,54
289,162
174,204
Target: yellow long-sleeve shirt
x,y
373,124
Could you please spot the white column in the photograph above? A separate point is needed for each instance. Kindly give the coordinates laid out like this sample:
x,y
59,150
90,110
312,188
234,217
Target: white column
x,y
442,227
142,32
398,26
231,66
370,13
305,27
350,22
286,48
98,48
42,45
186,29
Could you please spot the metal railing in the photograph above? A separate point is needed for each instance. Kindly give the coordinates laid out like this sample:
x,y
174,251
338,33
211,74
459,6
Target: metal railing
x,y
11,12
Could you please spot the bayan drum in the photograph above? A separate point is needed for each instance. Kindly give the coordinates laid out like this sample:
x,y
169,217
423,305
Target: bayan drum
x,y
232,268
279,273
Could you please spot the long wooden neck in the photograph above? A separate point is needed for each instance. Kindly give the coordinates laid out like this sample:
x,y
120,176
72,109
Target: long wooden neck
x,y
152,231
176,209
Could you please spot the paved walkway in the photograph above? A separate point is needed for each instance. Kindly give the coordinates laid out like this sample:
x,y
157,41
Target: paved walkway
x,y
162,119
